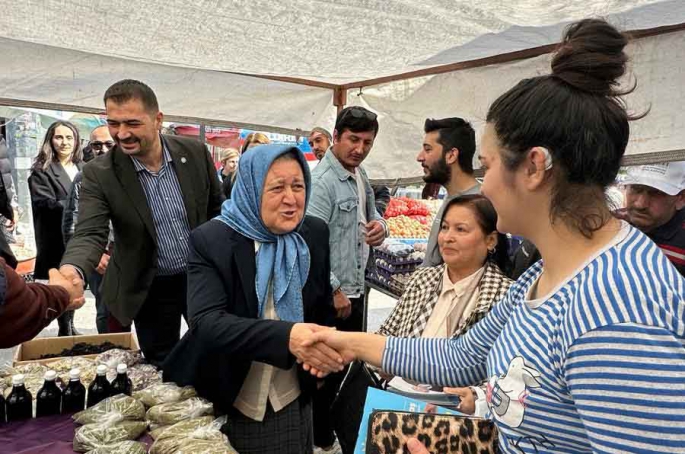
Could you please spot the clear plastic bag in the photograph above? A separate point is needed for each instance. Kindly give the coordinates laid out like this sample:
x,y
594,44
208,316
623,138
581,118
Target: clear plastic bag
x,y
194,446
120,407
122,447
112,358
144,376
198,429
173,412
163,393
101,435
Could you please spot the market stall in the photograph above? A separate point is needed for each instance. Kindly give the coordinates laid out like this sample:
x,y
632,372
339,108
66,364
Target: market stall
x,y
409,223
142,414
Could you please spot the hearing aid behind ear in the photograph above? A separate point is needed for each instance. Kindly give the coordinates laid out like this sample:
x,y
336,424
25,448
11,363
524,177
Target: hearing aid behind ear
x,y
548,158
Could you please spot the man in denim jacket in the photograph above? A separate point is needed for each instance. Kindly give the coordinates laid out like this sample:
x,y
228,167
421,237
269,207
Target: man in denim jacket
x,y
343,198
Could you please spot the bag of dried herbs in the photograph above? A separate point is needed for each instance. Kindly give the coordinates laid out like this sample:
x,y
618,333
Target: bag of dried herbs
x,y
122,447
173,412
100,435
163,393
188,433
120,406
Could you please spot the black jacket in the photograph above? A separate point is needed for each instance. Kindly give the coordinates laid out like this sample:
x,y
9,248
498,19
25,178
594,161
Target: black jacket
x,y
6,184
6,196
49,189
225,335
112,192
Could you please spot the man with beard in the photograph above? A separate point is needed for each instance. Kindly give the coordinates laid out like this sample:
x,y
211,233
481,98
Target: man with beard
x,y
655,202
155,189
319,141
447,159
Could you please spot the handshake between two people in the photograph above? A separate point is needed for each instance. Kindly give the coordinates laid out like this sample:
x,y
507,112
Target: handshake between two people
x,y
70,280
320,349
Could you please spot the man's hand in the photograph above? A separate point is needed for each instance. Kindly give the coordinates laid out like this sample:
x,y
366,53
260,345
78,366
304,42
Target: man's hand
x,y
72,285
102,266
314,354
342,305
375,233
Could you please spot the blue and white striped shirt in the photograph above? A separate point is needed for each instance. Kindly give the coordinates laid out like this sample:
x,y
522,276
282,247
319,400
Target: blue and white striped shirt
x,y
596,367
165,200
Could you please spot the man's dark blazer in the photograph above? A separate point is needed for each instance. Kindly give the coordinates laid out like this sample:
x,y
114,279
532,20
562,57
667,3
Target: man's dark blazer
x,y
111,191
225,333
49,189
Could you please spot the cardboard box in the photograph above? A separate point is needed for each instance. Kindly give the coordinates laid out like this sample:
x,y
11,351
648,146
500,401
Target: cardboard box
x,y
32,350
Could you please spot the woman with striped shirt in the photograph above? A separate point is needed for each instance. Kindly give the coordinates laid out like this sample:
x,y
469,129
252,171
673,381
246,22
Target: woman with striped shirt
x,y
586,353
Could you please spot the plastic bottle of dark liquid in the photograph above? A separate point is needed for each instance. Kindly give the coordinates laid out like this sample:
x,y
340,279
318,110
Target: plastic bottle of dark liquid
x,y
122,384
100,389
49,398
74,395
20,402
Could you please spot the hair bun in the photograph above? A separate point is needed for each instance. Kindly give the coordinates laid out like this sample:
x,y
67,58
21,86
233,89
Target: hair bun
x,y
591,57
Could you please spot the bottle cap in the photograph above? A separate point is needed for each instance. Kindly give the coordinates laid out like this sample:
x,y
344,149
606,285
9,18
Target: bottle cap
x,y
75,374
50,375
102,369
18,379
121,368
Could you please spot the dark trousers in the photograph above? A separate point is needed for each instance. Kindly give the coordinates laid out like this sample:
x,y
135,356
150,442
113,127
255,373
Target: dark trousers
x,y
158,323
102,314
324,396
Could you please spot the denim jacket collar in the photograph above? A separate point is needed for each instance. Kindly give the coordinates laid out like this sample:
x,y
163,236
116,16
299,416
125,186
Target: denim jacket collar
x,y
342,173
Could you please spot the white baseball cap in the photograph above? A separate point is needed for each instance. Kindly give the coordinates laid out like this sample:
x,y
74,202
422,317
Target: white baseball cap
x,y
667,177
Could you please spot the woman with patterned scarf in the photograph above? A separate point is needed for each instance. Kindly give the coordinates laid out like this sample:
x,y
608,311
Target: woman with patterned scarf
x,y
448,299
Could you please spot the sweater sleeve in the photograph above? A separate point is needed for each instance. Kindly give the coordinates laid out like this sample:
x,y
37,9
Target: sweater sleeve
x,y
27,308
628,385
448,362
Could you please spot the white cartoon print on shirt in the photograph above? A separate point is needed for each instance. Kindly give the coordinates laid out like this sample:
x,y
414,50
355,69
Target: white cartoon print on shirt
x,y
507,393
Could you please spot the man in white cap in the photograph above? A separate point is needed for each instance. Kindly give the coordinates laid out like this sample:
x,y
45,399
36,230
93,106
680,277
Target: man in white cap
x,y
655,198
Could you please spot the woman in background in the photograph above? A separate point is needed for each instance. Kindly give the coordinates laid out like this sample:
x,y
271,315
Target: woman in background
x,y
54,169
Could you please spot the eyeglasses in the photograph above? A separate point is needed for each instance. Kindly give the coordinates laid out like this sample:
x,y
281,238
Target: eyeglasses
x,y
359,112
98,145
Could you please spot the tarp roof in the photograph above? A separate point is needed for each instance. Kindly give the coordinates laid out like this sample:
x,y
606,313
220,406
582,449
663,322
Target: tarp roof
x,y
202,57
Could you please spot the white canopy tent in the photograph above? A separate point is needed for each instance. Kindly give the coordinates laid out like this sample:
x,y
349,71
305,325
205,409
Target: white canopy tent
x,y
286,66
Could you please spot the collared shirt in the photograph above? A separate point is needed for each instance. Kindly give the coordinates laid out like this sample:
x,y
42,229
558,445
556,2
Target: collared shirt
x,y
335,199
670,237
433,257
456,302
165,200
265,383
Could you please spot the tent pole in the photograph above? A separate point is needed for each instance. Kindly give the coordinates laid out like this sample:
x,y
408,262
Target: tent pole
x,y
203,133
339,98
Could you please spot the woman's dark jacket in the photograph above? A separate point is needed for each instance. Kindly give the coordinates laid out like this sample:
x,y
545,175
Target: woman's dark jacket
x,y
225,334
49,189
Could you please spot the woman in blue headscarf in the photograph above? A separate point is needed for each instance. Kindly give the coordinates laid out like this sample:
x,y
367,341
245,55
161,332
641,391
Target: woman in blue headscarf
x,y
258,287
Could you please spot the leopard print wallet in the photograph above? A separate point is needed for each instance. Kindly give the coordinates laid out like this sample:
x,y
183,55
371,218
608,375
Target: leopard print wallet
x,y
441,434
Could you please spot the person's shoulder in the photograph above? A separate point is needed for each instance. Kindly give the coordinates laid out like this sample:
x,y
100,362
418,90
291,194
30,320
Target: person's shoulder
x,y
314,227
212,229
187,143
102,163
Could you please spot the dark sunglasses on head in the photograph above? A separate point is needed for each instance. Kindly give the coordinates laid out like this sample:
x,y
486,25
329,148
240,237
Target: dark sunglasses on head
x,y
98,145
359,112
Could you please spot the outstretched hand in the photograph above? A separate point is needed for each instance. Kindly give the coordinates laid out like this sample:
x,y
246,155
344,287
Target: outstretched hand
x,y
73,285
335,340
317,355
